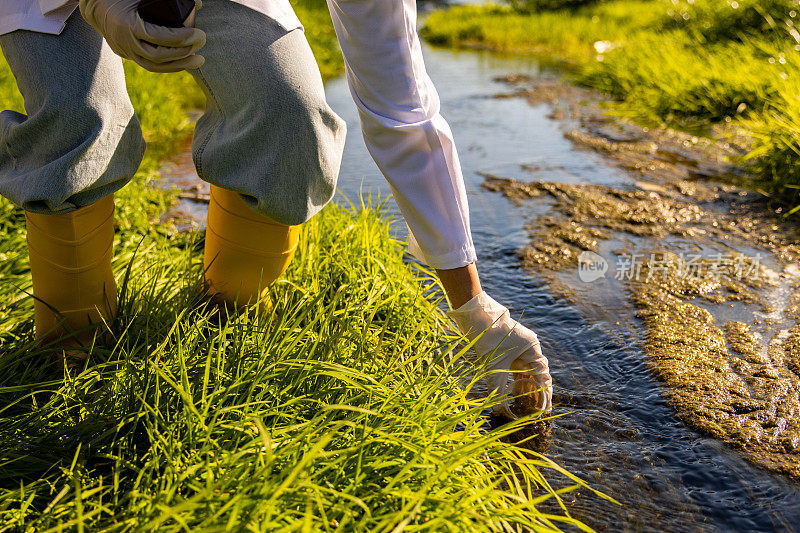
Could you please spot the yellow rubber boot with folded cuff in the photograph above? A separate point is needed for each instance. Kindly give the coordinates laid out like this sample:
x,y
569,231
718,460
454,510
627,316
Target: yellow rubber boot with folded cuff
x,y
245,251
73,285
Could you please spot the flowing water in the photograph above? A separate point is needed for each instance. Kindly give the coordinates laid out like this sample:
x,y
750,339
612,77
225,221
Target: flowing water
x,y
617,430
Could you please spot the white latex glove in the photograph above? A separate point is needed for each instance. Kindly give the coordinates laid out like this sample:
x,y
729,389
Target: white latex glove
x,y
156,48
506,345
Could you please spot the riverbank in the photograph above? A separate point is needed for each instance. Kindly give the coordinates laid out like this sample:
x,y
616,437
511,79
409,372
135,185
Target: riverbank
x,y
725,70
341,410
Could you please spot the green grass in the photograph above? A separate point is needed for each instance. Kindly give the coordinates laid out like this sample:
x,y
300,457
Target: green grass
x,y
561,34
341,410
688,65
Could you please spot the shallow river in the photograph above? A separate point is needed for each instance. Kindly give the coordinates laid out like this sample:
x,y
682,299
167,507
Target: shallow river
x,y
617,431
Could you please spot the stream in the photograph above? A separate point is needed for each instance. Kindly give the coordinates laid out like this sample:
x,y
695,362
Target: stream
x,y
617,430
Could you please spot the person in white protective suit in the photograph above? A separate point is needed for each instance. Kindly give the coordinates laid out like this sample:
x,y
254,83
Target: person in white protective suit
x,y
267,142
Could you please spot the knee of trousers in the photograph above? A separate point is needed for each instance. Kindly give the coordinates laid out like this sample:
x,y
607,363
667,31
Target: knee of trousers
x,y
80,140
70,152
282,156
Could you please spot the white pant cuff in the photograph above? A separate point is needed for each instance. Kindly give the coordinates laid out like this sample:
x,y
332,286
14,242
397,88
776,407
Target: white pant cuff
x,y
445,260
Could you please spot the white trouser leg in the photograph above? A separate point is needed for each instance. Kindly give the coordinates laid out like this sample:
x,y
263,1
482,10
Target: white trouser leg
x,y
404,132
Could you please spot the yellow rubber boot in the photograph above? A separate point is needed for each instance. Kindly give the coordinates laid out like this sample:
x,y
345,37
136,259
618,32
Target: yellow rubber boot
x,y
245,251
70,258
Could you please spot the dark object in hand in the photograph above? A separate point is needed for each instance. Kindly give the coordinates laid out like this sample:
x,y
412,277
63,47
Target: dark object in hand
x,y
169,13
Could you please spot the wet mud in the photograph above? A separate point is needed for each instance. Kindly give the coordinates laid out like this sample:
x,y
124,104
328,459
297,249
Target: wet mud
x,y
708,267
189,211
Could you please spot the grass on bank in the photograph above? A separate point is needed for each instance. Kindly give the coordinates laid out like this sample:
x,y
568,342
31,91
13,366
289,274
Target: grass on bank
x,y
340,411
707,66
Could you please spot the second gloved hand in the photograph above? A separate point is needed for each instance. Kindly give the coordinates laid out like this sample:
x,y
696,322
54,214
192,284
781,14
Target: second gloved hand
x,y
506,345
156,48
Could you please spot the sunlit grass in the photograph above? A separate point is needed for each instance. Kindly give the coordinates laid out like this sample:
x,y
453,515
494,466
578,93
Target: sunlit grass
x,y
341,408
723,20
775,157
568,36
668,78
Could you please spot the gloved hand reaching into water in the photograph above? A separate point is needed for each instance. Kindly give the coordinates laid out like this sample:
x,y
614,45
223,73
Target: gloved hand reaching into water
x,y
507,345
156,48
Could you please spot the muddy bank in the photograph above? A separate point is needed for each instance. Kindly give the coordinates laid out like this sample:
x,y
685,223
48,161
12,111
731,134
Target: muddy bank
x,y
708,267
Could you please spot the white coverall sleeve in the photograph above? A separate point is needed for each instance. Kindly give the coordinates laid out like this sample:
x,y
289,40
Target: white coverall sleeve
x,y
403,130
